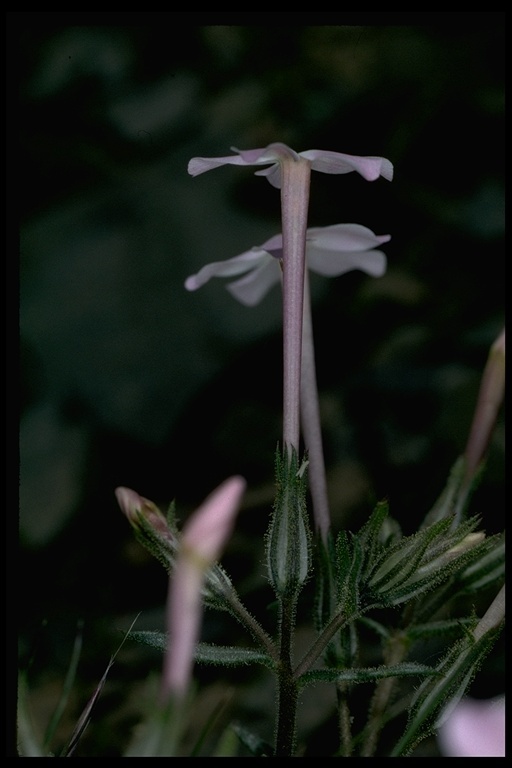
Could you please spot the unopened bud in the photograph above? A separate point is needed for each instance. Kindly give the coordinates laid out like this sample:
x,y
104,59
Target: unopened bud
x,y
288,538
151,528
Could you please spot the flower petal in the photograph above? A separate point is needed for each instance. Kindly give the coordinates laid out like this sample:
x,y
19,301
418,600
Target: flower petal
x,y
273,154
273,175
332,264
370,168
202,164
238,265
344,237
332,251
251,288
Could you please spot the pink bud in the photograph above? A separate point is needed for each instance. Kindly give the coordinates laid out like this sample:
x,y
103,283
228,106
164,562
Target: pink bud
x,y
137,508
209,528
204,536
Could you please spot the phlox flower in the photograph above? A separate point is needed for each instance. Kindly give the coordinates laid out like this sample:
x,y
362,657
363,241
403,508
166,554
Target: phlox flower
x,y
370,168
330,251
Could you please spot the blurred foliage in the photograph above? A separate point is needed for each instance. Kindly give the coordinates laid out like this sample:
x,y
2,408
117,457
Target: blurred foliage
x,y
127,379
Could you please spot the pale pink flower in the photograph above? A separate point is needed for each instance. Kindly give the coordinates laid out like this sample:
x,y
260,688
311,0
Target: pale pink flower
x,y
330,251
370,168
290,172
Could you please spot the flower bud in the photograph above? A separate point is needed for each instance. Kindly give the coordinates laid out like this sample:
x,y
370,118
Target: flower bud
x,y
151,528
288,538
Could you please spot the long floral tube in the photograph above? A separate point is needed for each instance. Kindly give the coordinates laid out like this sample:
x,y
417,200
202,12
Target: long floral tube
x,y
311,424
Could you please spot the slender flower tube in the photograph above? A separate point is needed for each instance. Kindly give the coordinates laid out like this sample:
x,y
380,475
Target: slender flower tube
x,y
295,175
311,424
204,537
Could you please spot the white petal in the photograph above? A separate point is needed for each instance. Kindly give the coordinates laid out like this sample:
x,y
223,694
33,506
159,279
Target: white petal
x,y
251,288
370,168
345,237
334,263
271,154
273,175
238,265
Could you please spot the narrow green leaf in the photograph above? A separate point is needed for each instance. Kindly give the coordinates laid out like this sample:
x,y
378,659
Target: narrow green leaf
x,y
155,639
366,674
325,562
485,570
428,577
445,504
397,563
457,669
206,653
228,656
348,581
438,628
369,535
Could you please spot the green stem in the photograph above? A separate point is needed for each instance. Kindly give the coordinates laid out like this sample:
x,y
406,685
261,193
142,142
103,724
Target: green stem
x,y
344,719
337,622
240,612
287,685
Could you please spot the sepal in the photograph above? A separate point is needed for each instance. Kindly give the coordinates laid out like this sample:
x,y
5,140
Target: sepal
x,y
288,539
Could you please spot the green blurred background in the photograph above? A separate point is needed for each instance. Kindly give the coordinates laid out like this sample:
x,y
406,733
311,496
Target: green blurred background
x,y
128,379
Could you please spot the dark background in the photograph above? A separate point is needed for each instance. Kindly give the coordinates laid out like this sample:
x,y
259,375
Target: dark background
x,y
128,379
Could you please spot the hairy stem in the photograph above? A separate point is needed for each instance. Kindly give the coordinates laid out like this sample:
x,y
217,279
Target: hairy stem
x,y
240,612
287,684
336,623
344,720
